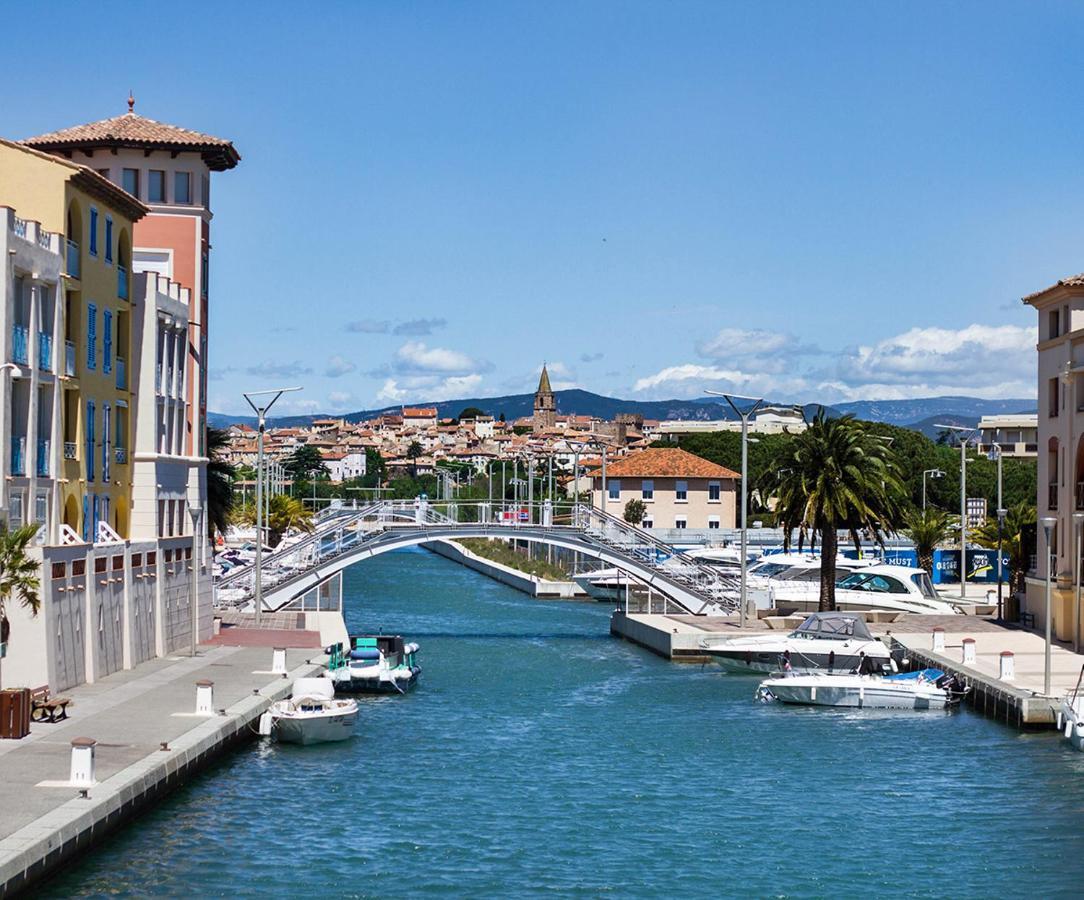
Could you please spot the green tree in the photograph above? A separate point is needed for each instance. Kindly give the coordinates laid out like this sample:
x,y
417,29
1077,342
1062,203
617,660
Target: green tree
x,y
928,528
835,474
1014,544
413,452
305,463
220,476
18,574
635,511
471,412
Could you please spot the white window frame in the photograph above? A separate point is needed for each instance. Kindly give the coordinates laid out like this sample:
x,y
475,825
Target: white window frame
x,y
647,490
613,489
717,486
681,487
681,522
713,522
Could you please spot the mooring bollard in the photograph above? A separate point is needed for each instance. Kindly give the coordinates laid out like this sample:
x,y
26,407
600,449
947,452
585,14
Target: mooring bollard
x,y
205,698
278,661
82,771
939,638
1008,665
969,651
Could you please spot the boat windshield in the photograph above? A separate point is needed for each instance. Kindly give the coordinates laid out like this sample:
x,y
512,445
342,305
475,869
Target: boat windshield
x,y
866,581
769,570
833,626
922,581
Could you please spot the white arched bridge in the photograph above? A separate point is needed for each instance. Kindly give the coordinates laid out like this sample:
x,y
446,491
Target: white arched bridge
x,y
344,536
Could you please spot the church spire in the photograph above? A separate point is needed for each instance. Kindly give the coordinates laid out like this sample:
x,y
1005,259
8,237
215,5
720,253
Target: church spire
x,y
544,382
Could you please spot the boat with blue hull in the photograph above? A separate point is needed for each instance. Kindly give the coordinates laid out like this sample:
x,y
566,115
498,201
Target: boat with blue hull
x,y
374,664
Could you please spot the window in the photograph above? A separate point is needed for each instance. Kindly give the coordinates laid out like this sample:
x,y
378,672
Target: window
x,y
182,187
713,521
15,514
107,341
93,231
92,335
109,239
156,186
106,425
647,522
205,185
205,275
1052,398
681,492
647,490
713,492
681,522
613,487
129,180
90,440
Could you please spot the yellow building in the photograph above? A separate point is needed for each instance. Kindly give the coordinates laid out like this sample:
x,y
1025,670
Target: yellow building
x,y
96,217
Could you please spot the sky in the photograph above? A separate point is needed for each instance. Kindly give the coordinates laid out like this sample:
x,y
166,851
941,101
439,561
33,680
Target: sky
x,y
806,201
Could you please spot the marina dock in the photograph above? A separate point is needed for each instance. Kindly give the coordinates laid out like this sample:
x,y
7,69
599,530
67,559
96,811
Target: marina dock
x,y
149,739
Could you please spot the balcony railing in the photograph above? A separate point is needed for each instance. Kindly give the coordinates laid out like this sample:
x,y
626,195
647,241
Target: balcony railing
x,y
20,337
122,282
18,455
73,259
122,374
45,351
1052,496
121,455
69,358
44,466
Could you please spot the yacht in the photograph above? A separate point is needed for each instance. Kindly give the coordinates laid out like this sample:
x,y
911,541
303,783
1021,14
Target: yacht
x,y
311,715
876,587
606,585
926,689
800,573
377,664
828,641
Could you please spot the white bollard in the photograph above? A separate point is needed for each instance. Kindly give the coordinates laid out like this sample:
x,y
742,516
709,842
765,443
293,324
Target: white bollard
x,y
205,698
969,651
1008,665
82,771
278,661
939,638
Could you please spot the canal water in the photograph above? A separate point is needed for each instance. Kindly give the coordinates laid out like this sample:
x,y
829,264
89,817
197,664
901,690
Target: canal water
x,y
539,756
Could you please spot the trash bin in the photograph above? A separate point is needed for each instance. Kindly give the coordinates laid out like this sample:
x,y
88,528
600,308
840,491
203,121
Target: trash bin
x,y
15,713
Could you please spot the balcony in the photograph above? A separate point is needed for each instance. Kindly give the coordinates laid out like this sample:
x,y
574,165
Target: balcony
x,y
18,455
1052,496
71,450
73,259
122,282
121,455
122,374
69,358
45,351
20,337
44,467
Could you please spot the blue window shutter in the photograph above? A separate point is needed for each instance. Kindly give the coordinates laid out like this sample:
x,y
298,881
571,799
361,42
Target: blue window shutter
x,y
97,518
86,517
92,335
90,440
108,239
93,230
107,341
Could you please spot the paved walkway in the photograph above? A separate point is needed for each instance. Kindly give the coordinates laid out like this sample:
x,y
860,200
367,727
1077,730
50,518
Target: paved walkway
x,y
129,713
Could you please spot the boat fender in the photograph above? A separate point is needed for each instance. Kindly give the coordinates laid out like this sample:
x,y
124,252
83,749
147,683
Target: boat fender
x,y
411,648
264,728
831,659
1061,723
748,657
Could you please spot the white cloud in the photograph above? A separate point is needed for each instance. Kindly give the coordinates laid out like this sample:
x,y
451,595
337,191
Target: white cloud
x,y
426,388
740,343
339,399
416,356
338,366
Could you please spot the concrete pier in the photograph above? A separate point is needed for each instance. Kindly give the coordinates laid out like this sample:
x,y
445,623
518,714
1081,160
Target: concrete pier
x,y
148,740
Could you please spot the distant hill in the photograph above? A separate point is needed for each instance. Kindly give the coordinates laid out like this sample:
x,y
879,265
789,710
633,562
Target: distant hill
x,y
919,413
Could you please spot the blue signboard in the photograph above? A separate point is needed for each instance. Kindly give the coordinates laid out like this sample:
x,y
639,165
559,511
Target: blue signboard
x,y
981,566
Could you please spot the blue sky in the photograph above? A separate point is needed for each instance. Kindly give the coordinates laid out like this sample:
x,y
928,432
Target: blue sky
x,y
810,201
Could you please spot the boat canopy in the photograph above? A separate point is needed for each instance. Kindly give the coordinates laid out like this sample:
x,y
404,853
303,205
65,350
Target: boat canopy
x,y
840,625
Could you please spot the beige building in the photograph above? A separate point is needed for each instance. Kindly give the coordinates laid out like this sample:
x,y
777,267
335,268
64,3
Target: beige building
x,y
1016,435
678,489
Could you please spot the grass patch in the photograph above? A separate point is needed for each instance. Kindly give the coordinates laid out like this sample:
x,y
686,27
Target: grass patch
x,y
503,553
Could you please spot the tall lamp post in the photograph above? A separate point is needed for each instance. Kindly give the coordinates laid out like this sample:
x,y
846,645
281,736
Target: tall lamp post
x,y
195,510
967,432
1048,523
260,407
1078,527
932,473
994,454
744,416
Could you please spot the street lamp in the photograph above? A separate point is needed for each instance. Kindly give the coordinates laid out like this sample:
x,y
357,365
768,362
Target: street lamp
x,y
260,407
1048,523
963,501
1078,527
195,510
932,473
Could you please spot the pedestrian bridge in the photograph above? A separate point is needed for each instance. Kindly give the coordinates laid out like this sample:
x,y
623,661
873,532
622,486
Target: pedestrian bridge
x,y
345,536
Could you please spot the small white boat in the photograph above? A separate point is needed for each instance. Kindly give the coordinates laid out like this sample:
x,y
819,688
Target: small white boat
x,y
312,715
926,689
1071,715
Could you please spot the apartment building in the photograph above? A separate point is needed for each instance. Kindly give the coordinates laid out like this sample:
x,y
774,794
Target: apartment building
x,y
1015,435
1060,439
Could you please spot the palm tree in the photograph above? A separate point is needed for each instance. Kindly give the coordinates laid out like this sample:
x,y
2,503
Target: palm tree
x,y
835,474
285,513
413,452
1012,541
18,574
220,476
927,528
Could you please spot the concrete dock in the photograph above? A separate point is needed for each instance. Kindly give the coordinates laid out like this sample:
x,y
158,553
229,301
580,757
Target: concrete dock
x,y
149,741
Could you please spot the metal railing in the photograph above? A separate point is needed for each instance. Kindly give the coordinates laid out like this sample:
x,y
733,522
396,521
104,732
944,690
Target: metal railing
x,y
69,358
72,258
45,351
122,282
20,338
44,465
18,455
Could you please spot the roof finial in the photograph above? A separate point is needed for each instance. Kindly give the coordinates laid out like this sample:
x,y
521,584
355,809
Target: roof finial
x,y
131,103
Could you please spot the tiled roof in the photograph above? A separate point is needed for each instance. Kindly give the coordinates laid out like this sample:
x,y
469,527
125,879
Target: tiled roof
x,y
1071,281
670,462
130,130
425,412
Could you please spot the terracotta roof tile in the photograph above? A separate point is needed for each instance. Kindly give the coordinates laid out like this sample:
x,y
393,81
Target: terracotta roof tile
x,y
1070,281
666,463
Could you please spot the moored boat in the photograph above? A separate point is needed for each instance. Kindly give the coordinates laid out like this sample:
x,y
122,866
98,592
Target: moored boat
x,y
311,715
925,689
375,664
1071,715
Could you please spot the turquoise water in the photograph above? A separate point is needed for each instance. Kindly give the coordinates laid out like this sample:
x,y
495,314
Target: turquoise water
x,y
539,756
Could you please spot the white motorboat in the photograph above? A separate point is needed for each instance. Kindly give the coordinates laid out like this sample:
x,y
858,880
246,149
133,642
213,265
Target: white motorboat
x,y
1071,715
794,573
605,584
312,714
926,689
877,587
376,664
828,641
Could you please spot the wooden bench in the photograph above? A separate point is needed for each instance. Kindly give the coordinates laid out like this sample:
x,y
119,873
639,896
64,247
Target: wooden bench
x,y
44,708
